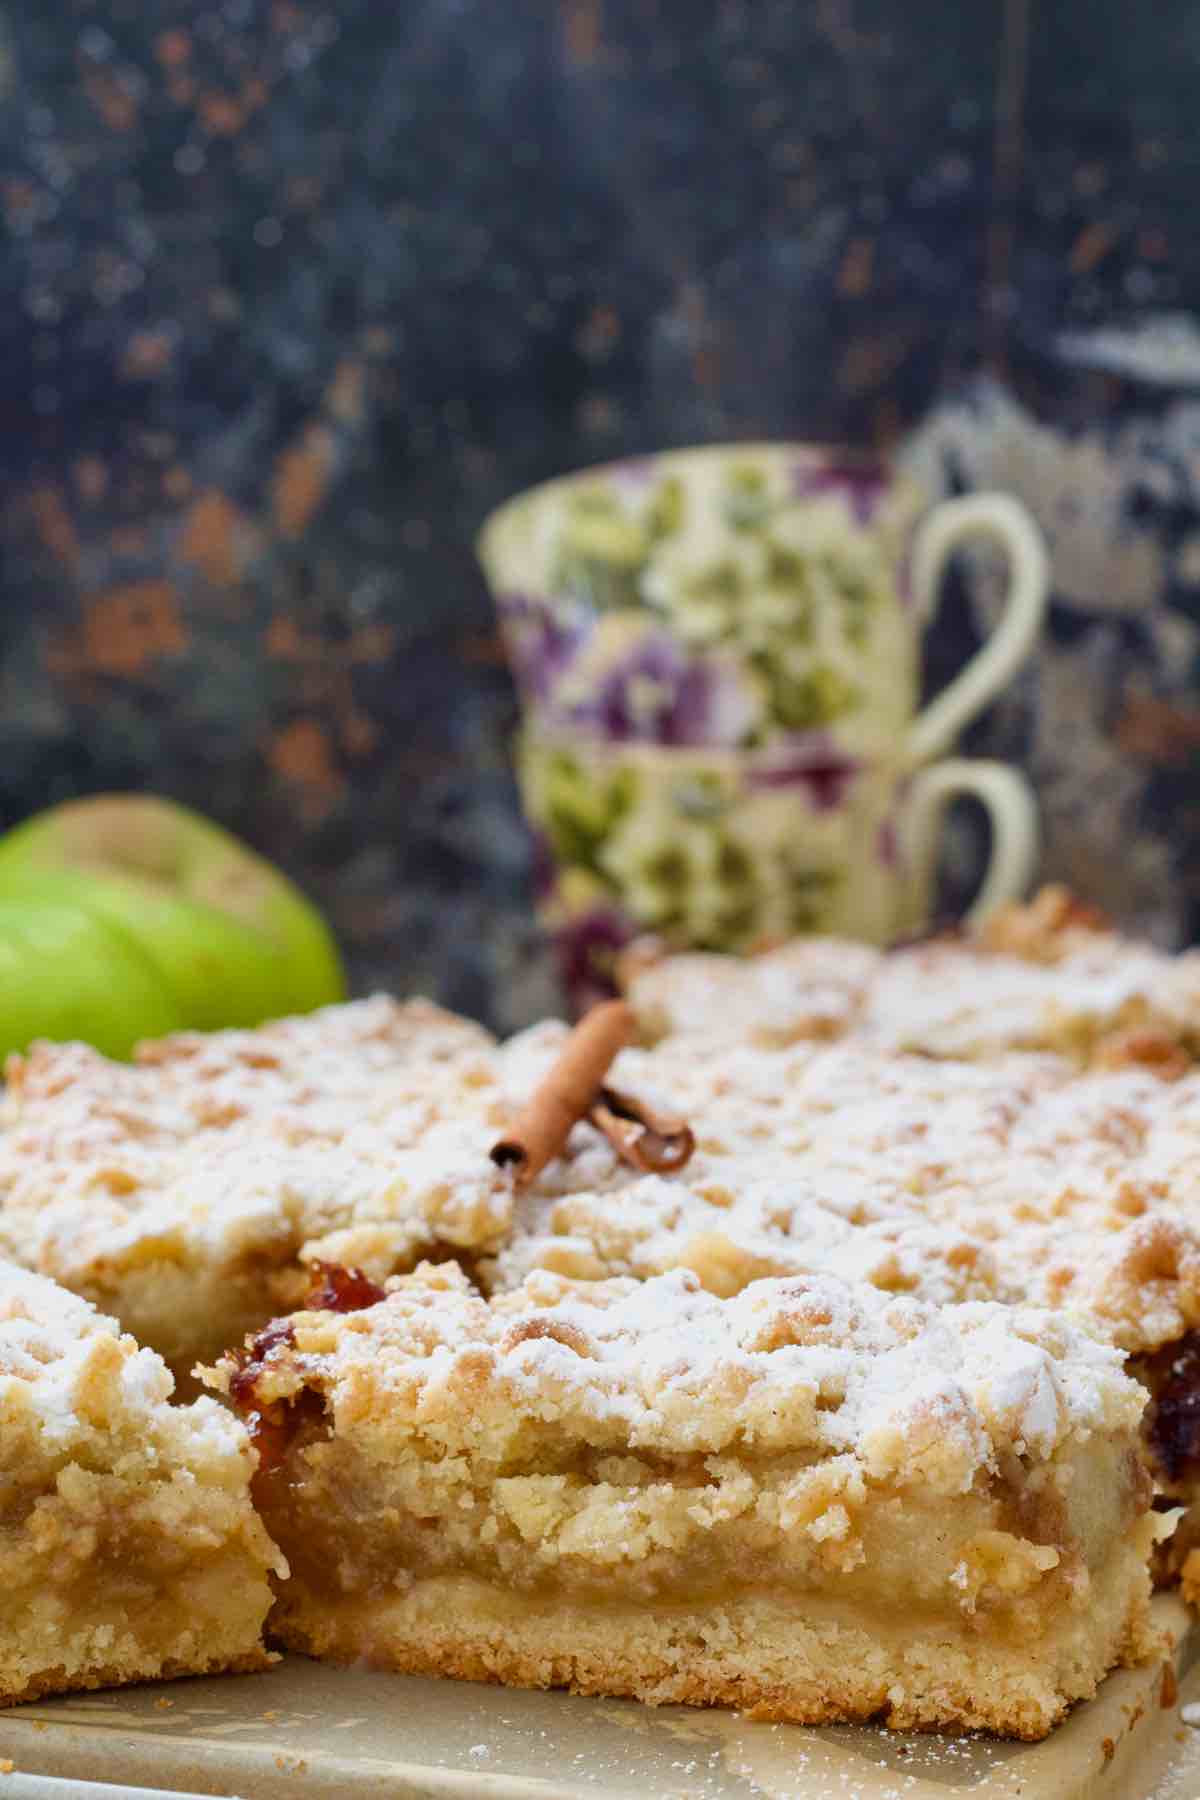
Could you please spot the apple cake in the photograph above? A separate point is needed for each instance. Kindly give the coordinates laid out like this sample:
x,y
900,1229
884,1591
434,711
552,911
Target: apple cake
x,y
813,1501
1049,975
184,1192
188,1192
1021,1180
129,1547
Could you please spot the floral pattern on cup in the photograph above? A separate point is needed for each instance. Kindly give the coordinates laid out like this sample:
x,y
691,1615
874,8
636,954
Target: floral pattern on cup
x,y
706,851
741,599
718,660
726,850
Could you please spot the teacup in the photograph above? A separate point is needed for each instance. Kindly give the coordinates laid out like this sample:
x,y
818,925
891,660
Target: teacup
x,y
717,653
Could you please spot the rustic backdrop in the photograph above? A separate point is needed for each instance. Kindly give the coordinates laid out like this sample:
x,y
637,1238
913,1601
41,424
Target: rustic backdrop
x,y
293,291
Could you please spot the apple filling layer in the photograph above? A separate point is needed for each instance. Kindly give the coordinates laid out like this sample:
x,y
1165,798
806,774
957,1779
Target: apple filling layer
x,y
129,1547
813,1499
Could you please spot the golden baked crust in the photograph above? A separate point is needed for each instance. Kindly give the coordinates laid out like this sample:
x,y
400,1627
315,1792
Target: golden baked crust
x,y
184,1192
1044,929
88,1679
759,1653
129,1548
788,1499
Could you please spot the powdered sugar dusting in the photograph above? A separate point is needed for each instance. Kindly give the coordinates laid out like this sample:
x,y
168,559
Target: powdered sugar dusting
x,y
914,1392
1033,981
812,988
1019,1179
69,1367
950,1000
247,1146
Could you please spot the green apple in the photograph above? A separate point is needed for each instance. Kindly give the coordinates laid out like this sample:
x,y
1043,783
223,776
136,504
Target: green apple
x,y
67,973
231,940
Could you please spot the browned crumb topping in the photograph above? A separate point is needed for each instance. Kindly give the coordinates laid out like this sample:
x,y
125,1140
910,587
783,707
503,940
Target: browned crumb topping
x,y
1036,929
1146,1048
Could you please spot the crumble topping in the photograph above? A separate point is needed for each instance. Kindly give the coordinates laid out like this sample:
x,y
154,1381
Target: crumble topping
x,y
911,1392
1044,928
957,1000
1047,975
317,1076
250,1144
360,1136
1018,1180
89,1392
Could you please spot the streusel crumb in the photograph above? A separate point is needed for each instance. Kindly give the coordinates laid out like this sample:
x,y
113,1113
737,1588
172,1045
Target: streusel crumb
x,y
818,1500
131,1549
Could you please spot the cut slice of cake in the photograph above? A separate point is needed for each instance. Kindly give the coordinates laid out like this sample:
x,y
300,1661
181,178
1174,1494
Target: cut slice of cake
x,y
183,1193
1021,1180
129,1547
814,1501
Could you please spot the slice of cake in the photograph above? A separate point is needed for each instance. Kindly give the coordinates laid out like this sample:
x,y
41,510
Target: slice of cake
x,y
1020,1180
183,1193
815,1502
1049,975
129,1548
1093,995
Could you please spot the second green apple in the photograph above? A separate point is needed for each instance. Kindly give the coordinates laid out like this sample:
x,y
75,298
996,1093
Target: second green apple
x,y
224,938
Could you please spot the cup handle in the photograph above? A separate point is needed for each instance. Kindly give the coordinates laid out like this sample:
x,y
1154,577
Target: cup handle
x,y
1005,522
1011,809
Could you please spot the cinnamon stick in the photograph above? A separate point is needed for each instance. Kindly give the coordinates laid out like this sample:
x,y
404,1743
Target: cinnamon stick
x,y
654,1142
567,1092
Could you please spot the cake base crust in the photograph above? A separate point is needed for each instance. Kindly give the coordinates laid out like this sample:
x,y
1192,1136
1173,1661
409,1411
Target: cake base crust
x,y
807,1662
57,1681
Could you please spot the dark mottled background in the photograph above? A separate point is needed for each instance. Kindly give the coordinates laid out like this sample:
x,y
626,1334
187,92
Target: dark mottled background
x,y
295,290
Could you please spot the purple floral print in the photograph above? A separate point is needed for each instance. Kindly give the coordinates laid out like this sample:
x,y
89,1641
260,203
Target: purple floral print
x,y
587,951
826,772
862,483
635,473
540,644
656,695
659,694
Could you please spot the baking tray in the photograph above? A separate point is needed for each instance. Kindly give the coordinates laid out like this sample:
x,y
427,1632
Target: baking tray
x,y
302,1728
